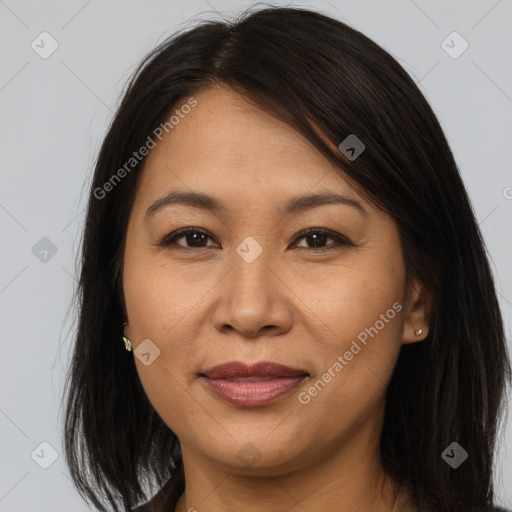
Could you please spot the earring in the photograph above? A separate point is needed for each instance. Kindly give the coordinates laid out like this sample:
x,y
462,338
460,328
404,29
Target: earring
x,y
418,332
127,342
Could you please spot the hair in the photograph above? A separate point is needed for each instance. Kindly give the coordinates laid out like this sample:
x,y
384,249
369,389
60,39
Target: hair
x,y
326,80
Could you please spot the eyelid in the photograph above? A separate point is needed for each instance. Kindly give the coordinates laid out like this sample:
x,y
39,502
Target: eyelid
x,y
169,238
341,240
338,237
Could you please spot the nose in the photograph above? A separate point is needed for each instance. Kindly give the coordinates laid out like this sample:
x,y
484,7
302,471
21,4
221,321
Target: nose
x,y
255,300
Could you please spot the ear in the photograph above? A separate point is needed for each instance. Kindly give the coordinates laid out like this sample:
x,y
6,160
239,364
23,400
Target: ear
x,y
417,313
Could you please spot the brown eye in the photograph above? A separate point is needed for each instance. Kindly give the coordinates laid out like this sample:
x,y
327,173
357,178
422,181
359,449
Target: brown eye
x,y
317,237
195,238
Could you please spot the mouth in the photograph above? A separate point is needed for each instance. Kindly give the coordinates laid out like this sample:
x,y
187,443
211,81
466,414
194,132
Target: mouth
x,y
252,385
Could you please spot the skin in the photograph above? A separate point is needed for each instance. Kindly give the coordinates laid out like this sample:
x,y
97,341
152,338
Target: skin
x,y
298,305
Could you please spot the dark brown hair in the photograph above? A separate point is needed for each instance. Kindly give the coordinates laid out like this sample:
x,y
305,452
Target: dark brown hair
x,y
315,73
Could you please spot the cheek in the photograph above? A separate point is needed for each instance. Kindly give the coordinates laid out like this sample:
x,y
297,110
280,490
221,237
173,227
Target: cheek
x,y
159,296
165,311
365,331
354,363
358,311
161,302
350,296
169,396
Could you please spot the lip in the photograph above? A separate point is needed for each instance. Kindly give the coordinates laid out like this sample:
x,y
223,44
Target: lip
x,y
252,385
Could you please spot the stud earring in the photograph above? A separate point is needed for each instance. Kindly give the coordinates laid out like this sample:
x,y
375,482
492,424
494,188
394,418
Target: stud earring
x,y
418,332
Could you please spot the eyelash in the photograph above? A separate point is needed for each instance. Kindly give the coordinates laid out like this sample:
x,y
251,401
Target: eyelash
x,y
168,240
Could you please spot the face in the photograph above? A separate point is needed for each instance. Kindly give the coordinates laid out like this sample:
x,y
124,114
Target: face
x,y
249,284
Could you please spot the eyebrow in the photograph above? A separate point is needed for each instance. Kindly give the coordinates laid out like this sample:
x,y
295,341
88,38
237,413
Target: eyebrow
x,y
294,205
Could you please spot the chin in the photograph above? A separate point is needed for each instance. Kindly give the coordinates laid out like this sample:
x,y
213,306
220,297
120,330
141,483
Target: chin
x,y
254,453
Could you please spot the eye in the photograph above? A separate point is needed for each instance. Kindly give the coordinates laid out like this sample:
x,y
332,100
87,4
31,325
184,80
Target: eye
x,y
198,237
318,236
194,236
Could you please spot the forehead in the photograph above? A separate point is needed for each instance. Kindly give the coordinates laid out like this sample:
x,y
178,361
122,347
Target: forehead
x,y
227,146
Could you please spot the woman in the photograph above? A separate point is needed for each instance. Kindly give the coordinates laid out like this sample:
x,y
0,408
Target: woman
x,y
278,235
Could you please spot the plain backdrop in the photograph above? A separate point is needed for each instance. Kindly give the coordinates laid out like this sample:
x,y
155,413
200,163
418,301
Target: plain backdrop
x,y
55,112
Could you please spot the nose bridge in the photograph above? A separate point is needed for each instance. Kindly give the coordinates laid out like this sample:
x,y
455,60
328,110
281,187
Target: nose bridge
x,y
251,269
252,299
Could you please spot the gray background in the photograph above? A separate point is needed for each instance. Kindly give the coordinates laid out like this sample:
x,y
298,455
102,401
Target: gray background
x,y
54,114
